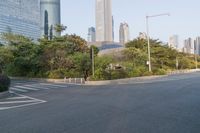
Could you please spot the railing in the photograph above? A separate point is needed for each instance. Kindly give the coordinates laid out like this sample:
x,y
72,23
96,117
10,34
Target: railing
x,y
74,80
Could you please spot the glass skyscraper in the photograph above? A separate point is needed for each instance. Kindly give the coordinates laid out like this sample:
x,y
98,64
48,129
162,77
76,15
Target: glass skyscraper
x,y
104,21
20,17
50,17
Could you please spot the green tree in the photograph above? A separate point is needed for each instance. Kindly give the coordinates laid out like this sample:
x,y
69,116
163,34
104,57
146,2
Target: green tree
x,y
135,55
82,63
14,39
60,28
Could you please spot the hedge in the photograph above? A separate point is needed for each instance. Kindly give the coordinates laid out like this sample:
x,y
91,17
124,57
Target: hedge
x,y
4,83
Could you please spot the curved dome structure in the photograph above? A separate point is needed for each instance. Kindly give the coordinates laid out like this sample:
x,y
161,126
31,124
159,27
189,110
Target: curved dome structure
x,y
50,17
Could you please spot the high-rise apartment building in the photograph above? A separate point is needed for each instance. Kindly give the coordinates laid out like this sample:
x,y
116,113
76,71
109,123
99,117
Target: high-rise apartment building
x,y
113,29
197,46
104,21
20,17
91,34
124,36
174,42
189,46
50,17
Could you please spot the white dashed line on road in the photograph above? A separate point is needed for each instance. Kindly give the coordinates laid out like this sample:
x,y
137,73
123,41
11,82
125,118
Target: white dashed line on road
x,y
18,100
26,88
16,89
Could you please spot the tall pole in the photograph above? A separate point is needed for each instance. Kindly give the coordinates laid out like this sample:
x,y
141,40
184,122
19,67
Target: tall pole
x,y
148,40
93,62
196,61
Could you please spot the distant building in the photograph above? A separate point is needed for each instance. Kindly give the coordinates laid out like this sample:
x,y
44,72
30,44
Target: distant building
x,y
142,35
113,29
174,42
189,46
91,34
20,17
124,35
50,17
104,21
197,46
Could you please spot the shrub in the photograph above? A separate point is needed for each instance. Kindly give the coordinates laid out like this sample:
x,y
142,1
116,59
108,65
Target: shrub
x,y
147,73
160,72
118,74
62,73
4,83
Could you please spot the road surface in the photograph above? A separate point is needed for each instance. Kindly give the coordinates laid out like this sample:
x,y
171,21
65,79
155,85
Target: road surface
x,y
168,105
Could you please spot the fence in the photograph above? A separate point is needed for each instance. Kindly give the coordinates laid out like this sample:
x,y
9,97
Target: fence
x,y
74,80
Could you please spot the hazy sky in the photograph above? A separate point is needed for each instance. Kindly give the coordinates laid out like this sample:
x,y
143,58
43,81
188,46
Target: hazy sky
x,y
184,21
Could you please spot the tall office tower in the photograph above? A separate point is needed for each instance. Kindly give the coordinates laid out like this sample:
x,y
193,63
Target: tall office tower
x,y
113,29
124,36
104,25
91,34
50,17
20,17
189,46
197,46
174,42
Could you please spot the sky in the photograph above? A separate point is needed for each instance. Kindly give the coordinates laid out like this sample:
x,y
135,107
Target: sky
x,y
184,19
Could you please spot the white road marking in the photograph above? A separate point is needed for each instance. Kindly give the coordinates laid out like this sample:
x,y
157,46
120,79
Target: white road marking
x,y
15,98
12,102
33,101
6,108
16,89
27,88
53,85
37,87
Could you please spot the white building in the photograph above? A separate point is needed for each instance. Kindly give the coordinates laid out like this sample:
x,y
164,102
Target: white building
x,y
189,46
124,35
197,46
174,42
104,21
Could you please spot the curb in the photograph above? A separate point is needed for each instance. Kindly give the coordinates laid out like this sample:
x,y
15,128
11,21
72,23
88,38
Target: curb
x,y
4,94
137,79
111,82
123,81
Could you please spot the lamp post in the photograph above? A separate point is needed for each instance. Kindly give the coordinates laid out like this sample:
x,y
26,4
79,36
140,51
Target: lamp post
x,y
148,38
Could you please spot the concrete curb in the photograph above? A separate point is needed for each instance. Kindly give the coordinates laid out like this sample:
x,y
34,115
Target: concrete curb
x,y
4,94
138,79
123,81
110,82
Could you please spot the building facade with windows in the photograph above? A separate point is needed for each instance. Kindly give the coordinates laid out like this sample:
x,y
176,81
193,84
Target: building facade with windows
x,y
20,17
197,46
104,21
174,42
189,46
124,35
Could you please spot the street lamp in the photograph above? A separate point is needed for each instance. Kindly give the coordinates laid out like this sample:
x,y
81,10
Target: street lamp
x,y
148,38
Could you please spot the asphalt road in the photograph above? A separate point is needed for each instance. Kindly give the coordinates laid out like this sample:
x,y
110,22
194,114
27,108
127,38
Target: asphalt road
x,y
168,105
